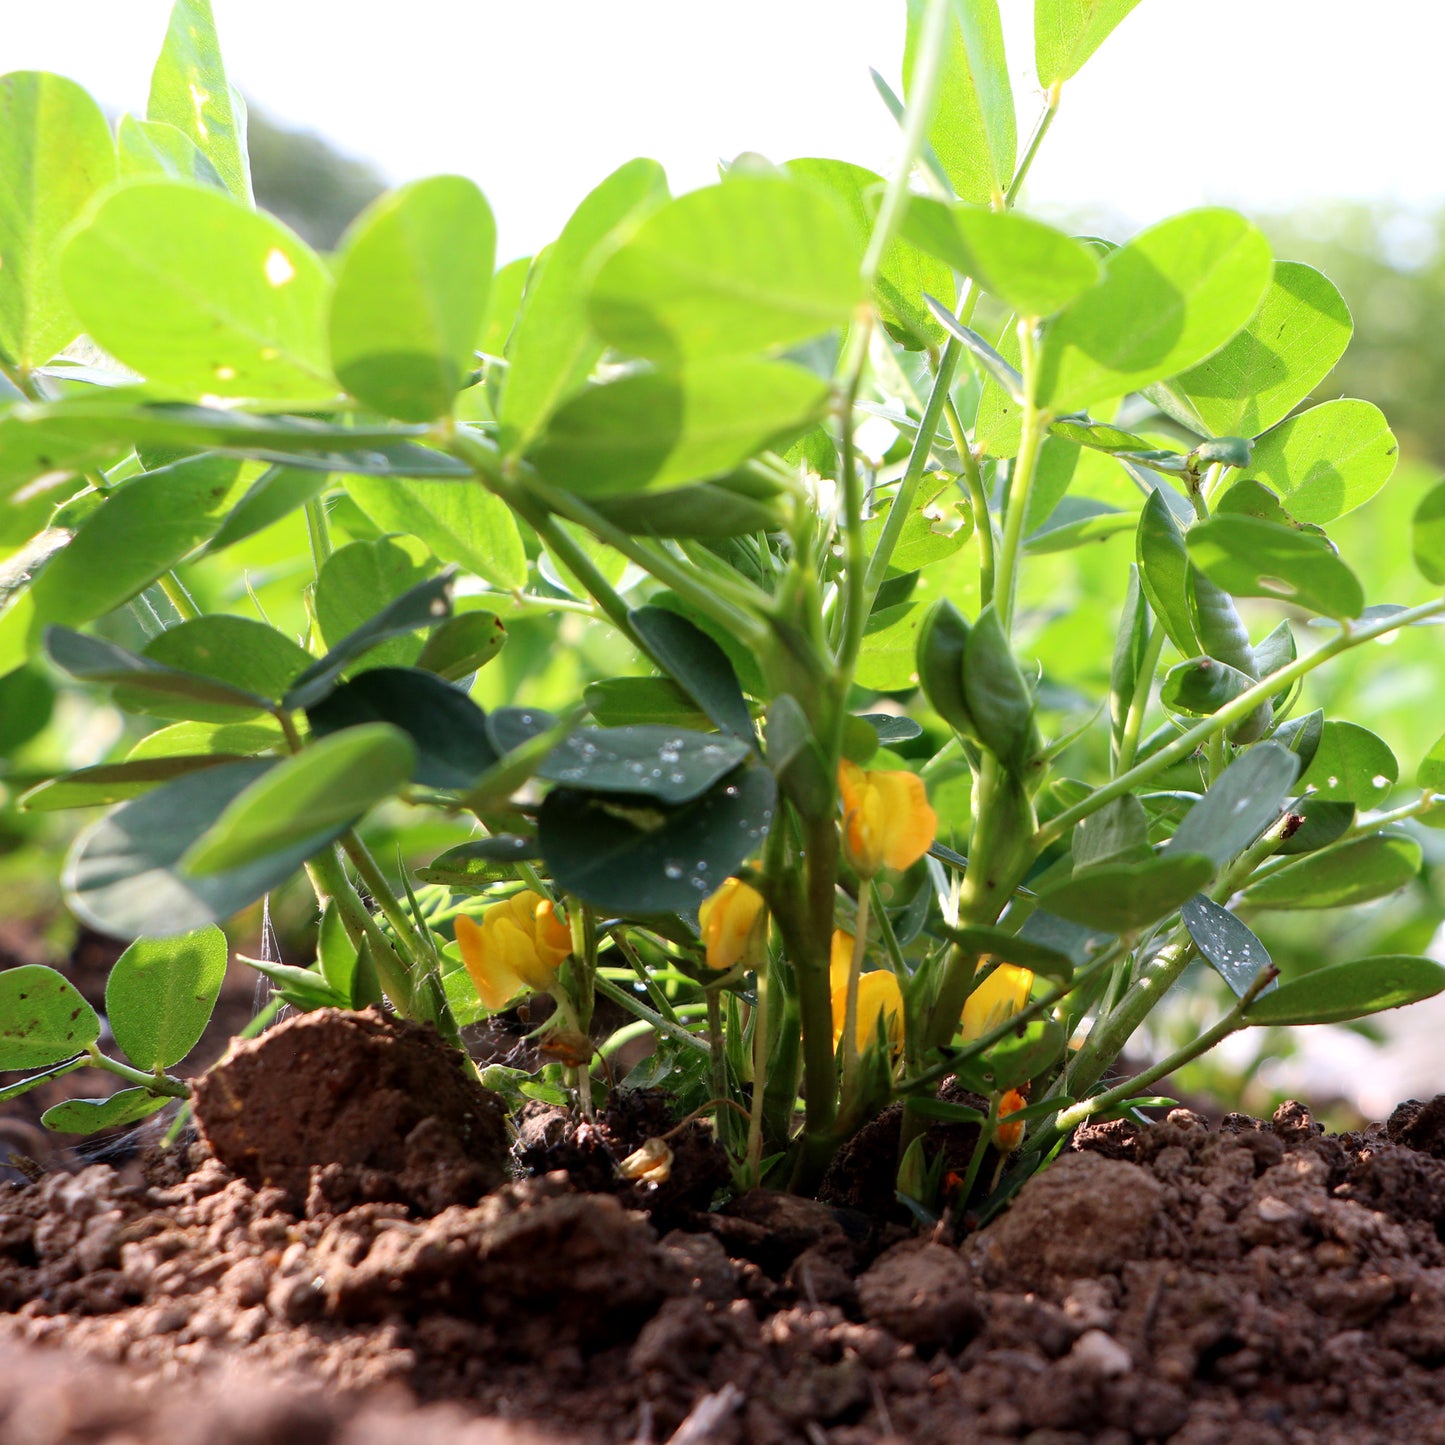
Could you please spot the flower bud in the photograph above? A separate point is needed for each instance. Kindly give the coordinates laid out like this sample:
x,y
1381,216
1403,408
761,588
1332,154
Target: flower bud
x,y
887,822
998,998
733,925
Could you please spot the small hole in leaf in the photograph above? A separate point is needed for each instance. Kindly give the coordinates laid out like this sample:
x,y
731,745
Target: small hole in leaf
x,y
278,267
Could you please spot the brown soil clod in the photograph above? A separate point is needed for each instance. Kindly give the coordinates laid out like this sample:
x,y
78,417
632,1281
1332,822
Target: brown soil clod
x,y
338,1108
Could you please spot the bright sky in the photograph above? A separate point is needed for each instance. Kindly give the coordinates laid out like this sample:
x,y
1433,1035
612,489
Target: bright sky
x,y
1261,103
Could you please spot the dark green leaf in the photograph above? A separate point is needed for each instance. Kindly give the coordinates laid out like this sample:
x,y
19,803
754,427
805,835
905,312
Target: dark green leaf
x,y
1234,953
160,995
447,729
1117,833
1202,685
1321,823
114,782
1164,572
999,700
1302,736
719,508
276,493
475,866
1005,947
411,295
622,701
796,759
1122,897
1241,803
651,858
1353,872
302,988
1249,557
43,1018
421,606
665,764
1016,1059
698,666
85,1116
1346,991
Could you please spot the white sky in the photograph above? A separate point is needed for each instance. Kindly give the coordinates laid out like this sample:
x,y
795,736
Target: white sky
x,y
1261,103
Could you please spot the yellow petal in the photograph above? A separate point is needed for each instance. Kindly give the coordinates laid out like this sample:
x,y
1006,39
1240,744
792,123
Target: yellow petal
x,y
1001,995
878,997
728,918
887,821
496,984
840,960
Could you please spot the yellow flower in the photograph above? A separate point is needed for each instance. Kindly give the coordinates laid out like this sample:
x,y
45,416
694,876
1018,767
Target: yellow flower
x,y
1000,996
886,819
517,947
879,997
729,919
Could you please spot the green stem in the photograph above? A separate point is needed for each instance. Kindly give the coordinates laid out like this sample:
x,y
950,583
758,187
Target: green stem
x,y
329,880
978,500
638,1009
157,1083
1230,713
852,1060
318,532
855,570
420,949
1021,478
754,1152
1139,703
178,597
1231,1023
1051,109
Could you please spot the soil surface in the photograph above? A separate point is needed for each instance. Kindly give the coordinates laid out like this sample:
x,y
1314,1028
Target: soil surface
x,y
355,1273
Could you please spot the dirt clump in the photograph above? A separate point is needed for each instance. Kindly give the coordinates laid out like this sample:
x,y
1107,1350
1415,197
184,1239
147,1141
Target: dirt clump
x,y
355,1107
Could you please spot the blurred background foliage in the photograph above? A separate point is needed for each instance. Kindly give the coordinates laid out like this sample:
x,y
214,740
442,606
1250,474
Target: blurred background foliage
x,y
1390,266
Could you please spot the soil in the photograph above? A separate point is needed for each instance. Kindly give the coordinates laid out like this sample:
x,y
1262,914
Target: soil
x,y
354,1272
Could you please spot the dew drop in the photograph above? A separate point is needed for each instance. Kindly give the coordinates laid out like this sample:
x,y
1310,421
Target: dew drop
x,y
1380,781
673,869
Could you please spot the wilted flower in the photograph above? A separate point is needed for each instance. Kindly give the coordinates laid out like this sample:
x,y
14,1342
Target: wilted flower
x,y
730,920
879,997
651,1164
999,997
517,947
886,818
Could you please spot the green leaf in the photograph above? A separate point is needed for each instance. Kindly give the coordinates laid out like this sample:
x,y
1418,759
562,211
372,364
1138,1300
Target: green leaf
x,y
720,508
460,521
200,295
974,131
1014,1060
1031,268
43,1018
201,739
890,644
122,875
1302,736
1427,535
1131,644
1351,765
996,366
160,995
906,273
697,665
552,348
1275,651
504,305
24,1086
1431,774
1241,803
750,265
1074,521
622,701
666,764
462,644
1117,833
1068,32
1346,991
447,729
55,153
148,683
653,430
1203,685
942,642
1328,460
1122,897
1289,346
1249,557
276,493
189,90
1006,947
113,782
115,1111
1354,872
137,534
473,867
411,295
938,525
1164,572
323,789
654,859
1226,944
150,149
1000,701
358,577
1321,823
247,654
1169,298
302,988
